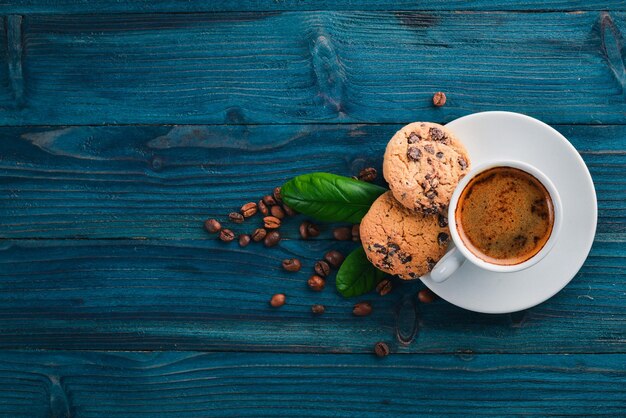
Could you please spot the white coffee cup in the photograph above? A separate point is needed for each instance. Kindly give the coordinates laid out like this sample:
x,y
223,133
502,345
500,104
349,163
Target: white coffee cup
x,y
458,253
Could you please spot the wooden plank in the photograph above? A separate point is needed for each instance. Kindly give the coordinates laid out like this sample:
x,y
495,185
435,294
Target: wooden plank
x,y
207,295
295,67
151,6
163,181
189,384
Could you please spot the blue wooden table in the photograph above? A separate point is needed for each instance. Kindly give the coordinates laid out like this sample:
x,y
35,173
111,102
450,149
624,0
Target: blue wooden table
x,y
126,124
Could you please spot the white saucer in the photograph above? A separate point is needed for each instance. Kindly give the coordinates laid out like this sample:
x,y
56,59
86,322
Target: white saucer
x,y
492,136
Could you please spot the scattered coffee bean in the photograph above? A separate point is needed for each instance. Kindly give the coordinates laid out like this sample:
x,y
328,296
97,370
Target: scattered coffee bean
x,y
342,233
426,296
384,287
292,264
313,230
277,212
439,99
248,210
356,232
258,234
236,217
269,200
304,230
308,230
278,300
318,309
368,174
322,268
288,210
277,196
316,283
244,239
334,258
271,239
212,226
362,309
263,208
227,235
271,222
381,349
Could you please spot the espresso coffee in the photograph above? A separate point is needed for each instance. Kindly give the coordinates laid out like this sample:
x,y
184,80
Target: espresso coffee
x,y
504,216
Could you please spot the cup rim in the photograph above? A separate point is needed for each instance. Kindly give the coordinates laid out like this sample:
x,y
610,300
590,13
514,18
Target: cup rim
x,y
556,227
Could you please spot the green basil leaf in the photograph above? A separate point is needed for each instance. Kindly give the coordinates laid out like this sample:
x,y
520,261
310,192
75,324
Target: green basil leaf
x,y
357,275
329,197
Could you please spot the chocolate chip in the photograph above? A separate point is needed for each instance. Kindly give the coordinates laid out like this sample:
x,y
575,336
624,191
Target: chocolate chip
x,y
443,221
431,194
436,134
431,263
413,154
405,258
380,248
442,238
462,162
393,248
429,149
439,154
413,138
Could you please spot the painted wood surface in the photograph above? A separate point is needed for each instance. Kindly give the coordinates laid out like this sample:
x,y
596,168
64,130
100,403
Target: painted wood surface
x,y
187,384
147,6
296,67
207,295
164,181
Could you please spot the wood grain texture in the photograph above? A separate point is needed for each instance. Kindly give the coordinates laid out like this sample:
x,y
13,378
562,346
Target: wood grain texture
x,y
294,67
149,6
207,295
191,384
163,181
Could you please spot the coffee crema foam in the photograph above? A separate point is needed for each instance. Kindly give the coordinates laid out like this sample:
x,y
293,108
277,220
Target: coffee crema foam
x,y
504,216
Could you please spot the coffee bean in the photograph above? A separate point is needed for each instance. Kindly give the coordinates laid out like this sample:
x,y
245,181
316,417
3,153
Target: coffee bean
x,y
342,233
248,210
426,296
318,309
312,230
277,196
244,239
263,208
292,264
368,174
322,268
269,200
277,212
258,234
381,349
227,235
356,232
212,226
439,99
384,287
236,217
316,283
271,239
278,300
304,230
334,258
362,309
271,222
288,210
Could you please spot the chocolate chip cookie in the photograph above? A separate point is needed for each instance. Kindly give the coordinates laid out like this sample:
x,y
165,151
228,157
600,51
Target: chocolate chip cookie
x,y
423,164
401,241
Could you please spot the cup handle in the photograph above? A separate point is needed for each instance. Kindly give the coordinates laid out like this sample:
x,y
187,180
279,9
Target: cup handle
x,y
448,264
